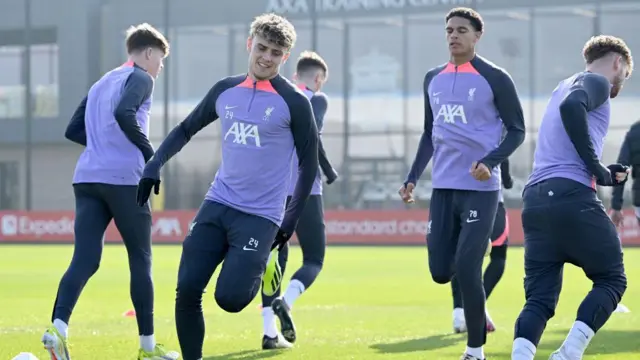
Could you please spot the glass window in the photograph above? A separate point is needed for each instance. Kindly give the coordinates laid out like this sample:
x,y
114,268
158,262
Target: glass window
x,y
505,42
375,71
240,54
44,79
622,20
556,60
427,49
11,89
330,46
201,61
303,42
158,129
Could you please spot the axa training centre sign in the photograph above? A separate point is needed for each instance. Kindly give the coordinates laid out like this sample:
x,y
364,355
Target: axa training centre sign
x,y
333,6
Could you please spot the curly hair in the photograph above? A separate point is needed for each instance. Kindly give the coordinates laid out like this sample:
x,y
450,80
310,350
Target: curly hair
x,y
275,29
600,46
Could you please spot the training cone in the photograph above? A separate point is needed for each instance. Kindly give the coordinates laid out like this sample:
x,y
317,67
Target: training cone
x,y
622,309
129,313
25,356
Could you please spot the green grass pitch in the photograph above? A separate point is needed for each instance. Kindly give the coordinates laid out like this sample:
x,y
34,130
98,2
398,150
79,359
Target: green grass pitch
x,y
368,303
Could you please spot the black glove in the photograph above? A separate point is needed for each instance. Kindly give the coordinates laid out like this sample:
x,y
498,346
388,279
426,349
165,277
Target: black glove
x,y
507,183
609,178
331,178
281,240
144,189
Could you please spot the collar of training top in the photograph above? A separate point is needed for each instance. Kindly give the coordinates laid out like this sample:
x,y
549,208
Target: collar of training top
x,y
466,66
130,63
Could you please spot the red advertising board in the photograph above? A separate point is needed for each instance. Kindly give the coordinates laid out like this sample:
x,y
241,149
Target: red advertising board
x,y
365,227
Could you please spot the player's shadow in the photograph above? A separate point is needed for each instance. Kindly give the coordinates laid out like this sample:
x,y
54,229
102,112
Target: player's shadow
x,y
247,355
423,344
606,342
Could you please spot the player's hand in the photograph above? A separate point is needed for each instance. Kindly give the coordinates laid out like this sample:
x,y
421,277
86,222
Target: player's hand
x,y
144,190
406,193
331,178
280,240
619,173
616,174
617,217
480,171
507,183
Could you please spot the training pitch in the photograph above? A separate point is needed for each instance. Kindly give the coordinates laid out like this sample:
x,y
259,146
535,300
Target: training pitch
x,y
368,303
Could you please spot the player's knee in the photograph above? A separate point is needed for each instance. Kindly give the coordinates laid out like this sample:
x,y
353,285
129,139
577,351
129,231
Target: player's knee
x,y
618,285
467,273
232,300
544,309
315,261
87,266
140,267
139,258
623,286
187,294
440,273
441,277
615,283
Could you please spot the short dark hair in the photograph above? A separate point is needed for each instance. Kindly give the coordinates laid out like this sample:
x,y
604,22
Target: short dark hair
x,y
143,36
310,60
600,46
468,13
275,29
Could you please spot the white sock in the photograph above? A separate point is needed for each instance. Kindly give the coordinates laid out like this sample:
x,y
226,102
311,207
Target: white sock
x,y
476,352
486,314
269,322
294,290
62,327
523,349
148,342
577,341
458,313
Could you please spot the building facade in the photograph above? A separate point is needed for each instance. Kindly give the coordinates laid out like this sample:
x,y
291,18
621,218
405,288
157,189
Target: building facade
x,y
378,52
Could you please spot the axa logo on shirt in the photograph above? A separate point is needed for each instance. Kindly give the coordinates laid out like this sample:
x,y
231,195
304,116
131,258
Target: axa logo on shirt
x,y
449,113
243,133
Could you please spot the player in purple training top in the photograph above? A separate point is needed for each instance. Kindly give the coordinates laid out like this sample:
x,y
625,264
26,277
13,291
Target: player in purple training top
x,y
311,74
264,120
563,219
112,122
467,102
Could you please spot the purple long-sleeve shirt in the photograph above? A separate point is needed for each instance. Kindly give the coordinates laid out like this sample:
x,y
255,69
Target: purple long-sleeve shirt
x,y
466,109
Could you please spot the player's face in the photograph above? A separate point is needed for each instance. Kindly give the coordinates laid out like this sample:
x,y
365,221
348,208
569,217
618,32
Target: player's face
x,y
265,57
461,36
154,59
621,73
